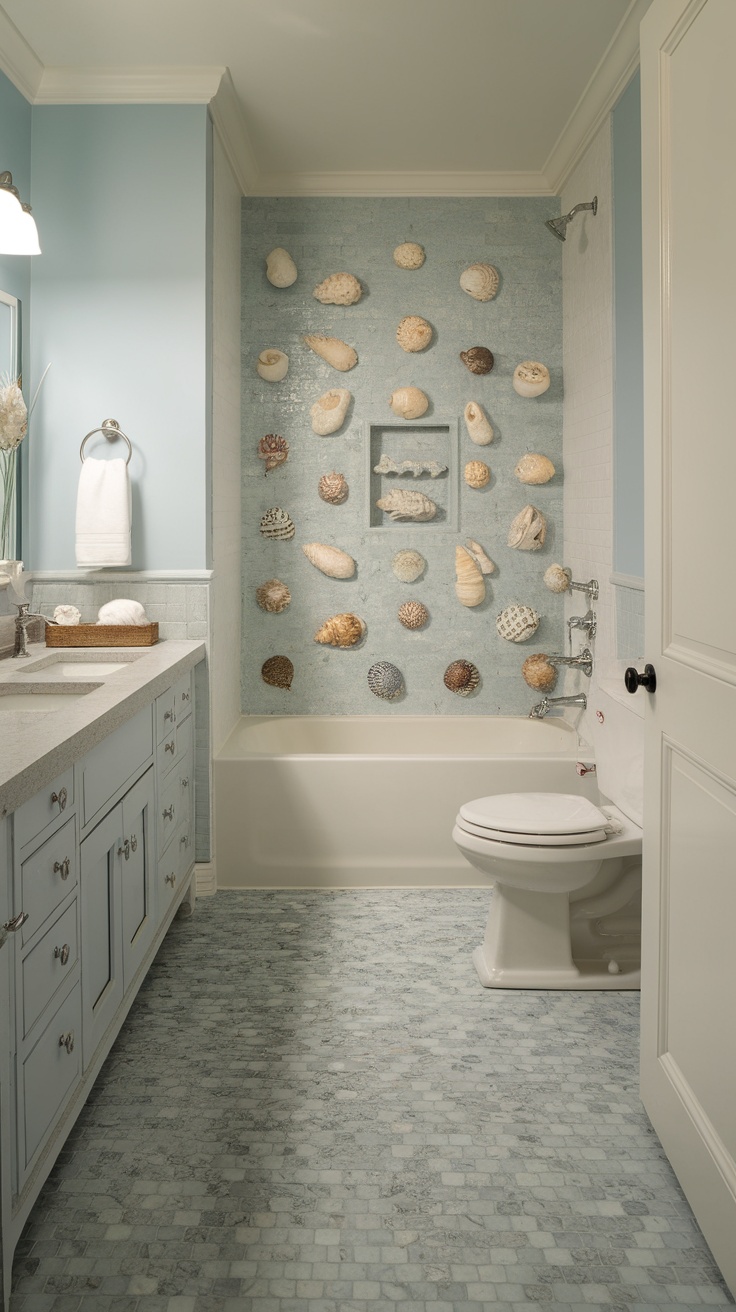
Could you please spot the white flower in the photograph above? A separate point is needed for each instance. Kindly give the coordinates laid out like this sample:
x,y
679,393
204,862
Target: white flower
x,y
13,416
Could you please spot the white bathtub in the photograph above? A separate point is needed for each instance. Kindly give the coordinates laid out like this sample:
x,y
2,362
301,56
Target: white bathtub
x,y
370,801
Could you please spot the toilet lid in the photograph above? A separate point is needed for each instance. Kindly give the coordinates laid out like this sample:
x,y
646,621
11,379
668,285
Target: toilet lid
x,y
535,814
532,840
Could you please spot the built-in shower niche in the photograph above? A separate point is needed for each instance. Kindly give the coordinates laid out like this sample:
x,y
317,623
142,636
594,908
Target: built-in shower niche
x,y
435,441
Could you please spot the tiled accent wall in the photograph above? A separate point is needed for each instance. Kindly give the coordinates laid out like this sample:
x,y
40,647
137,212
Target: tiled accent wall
x,y
523,322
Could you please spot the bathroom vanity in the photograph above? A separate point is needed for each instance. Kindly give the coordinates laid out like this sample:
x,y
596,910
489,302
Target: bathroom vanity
x,y
96,855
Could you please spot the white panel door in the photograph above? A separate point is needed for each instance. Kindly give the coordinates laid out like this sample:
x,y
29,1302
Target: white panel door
x,y
688,1062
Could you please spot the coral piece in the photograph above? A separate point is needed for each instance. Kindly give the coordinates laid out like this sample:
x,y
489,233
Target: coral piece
x,y
344,630
273,596
470,587
333,488
408,402
329,411
67,615
531,378
477,424
339,289
277,524
517,623
528,530
533,468
278,671
385,680
557,579
414,333
333,350
409,255
408,565
404,504
538,672
413,614
280,268
477,473
274,450
480,281
332,561
478,359
415,467
272,365
484,562
461,677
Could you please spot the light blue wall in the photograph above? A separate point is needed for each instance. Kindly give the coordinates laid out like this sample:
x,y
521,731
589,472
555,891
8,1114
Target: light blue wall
x,y
119,309
15,270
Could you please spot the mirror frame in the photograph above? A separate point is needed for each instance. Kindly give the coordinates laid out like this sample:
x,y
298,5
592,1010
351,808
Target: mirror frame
x,y
13,367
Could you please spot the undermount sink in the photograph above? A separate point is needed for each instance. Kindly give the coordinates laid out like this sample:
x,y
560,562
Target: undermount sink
x,y
58,666
41,698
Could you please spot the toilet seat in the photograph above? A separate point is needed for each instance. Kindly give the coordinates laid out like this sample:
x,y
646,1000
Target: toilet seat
x,y
535,819
531,840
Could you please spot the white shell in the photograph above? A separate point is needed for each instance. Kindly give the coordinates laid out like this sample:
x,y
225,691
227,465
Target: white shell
x,y
333,350
67,615
401,503
470,588
272,365
533,468
338,289
280,268
517,623
408,402
477,424
276,524
415,467
484,562
332,561
328,413
557,579
480,281
528,530
414,333
407,565
477,473
531,378
409,255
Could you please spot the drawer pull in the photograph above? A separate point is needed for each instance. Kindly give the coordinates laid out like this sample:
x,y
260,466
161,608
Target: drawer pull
x,y
62,867
185,696
125,850
184,840
170,715
170,747
15,924
67,1040
134,842
168,812
60,798
185,783
170,879
62,953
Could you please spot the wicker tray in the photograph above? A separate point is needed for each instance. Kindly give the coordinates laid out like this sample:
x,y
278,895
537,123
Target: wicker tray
x,y
101,635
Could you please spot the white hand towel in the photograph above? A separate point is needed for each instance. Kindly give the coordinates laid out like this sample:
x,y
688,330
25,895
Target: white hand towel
x,y
103,514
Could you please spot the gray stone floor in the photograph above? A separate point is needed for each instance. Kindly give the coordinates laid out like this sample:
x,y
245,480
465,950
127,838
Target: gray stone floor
x,y
315,1107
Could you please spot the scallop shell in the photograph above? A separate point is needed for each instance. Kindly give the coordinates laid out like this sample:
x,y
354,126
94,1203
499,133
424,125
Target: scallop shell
x,y
333,488
470,588
401,503
413,614
338,289
280,268
477,424
277,524
277,671
480,281
329,411
414,333
335,352
528,530
274,450
538,672
408,402
461,677
531,378
477,473
272,365
517,623
557,579
478,359
385,680
533,468
332,561
409,255
273,596
344,630
408,565
484,562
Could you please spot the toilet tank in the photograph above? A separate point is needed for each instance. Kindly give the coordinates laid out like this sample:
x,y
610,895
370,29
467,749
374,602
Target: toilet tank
x,y
617,728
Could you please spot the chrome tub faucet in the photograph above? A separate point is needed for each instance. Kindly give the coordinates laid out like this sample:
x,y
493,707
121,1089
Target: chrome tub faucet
x,y
548,704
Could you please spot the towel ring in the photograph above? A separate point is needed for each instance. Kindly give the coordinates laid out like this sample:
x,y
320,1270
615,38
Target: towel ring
x,y
112,430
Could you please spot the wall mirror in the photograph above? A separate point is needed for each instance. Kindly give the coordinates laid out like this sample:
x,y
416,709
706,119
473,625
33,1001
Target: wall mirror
x,y
10,369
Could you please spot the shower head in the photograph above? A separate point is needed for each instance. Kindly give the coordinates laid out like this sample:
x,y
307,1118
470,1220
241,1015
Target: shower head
x,y
559,226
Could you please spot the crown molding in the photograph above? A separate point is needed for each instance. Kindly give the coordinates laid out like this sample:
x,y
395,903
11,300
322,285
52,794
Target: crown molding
x,y
399,183
229,123
17,60
149,85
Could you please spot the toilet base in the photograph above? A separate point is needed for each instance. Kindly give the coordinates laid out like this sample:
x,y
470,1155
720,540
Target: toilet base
x,y
587,975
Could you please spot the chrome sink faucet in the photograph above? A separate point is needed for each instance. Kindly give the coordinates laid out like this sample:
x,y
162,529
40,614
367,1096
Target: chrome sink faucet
x,y
25,617
548,704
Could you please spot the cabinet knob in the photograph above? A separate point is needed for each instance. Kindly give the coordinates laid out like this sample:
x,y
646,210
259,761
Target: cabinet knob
x,y
67,1041
62,867
125,850
170,879
170,715
184,840
134,842
170,747
62,953
60,798
168,812
185,696
185,783
16,923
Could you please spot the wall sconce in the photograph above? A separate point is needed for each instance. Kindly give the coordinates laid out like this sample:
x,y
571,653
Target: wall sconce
x,y
18,232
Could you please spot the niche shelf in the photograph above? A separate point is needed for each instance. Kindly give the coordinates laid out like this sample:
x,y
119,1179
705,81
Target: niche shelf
x,y
437,439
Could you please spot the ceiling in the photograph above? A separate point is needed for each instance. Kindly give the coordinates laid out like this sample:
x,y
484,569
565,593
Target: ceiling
x,y
349,95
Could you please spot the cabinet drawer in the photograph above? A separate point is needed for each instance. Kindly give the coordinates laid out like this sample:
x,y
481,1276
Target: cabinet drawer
x,y
177,747
183,697
107,767
168,809
165,714
35,816
49,1074
49,965
47,877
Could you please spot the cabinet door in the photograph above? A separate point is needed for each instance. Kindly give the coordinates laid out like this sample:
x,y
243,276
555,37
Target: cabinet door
x,y
102,957
138,890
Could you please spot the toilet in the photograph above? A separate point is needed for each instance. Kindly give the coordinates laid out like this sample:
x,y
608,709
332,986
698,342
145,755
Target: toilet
x,y
566,872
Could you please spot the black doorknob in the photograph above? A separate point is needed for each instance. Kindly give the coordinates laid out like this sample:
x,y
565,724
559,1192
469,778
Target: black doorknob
x,y
633,679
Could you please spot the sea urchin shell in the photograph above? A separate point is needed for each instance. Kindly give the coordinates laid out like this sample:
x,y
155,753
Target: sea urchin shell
x,y
277,671
413,614
273,596
538,672
408,565
414,333
385,680
461,677
477,473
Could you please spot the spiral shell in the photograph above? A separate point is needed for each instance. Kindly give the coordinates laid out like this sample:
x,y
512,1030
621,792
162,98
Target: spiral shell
x,y
333,562
406,504
276,524
528,530
557,579
278,671
335,352
333,488
409,255
413,614
478,359
272,365
531,378
338,289
385,680
280,268
344,630
461,677
274,450
517,623
533,468
273,596
329,411
480,281
408,402
477,424
470,587
408,565
414,333
477,473
538,672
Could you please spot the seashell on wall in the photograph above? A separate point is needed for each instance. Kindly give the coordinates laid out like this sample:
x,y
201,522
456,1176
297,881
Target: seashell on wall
x,y
413,614
273,596
344,630
408,402
333,350
338,289
533,468
484,562
557,579
477,473
517,623
272,365
528,530
409,255
538,672
477,424
480,281
478,359
406,504
470,588
461,677
329,411
281,270
414,333
276,524
414,467
531,378
408,565
274,450
278,671
385,680
332,561
333,488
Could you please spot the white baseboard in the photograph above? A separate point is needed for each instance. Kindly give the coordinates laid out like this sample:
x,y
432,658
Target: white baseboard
x,y
205,878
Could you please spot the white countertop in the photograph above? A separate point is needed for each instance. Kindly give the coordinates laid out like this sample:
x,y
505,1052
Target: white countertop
x,y
35,746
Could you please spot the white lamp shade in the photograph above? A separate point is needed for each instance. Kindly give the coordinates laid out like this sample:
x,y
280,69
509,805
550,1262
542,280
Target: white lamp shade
x,y
18,232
